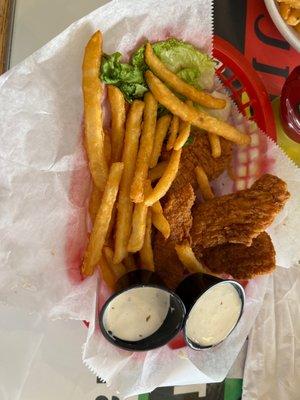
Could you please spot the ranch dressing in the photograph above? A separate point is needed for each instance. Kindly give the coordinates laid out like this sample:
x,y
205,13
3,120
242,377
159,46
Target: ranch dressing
x,y
137,313
214,315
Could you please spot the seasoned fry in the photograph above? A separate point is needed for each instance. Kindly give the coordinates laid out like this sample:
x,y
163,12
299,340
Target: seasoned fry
x,y
117,269
203,183
174,128
106,273
129,262
98,235
146,252
166,180
176,83
92,93
161,130
292,3
94,203
215,145
284,10
125,206
294,17
139,216
136,239
184,131
109,239
107,148
118,116
156,172
159,220
145,150
187,257
187,113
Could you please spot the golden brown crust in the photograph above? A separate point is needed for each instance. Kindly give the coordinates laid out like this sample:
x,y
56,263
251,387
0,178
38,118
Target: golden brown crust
x,y
239,217
238,260
177,210
199,153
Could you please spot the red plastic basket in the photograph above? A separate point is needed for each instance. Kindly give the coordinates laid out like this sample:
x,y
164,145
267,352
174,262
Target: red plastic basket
x,y
245,86
248,93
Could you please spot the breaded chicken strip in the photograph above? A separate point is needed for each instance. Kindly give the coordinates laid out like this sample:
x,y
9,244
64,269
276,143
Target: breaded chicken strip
x,y
238,260
239,217
199,153
177,210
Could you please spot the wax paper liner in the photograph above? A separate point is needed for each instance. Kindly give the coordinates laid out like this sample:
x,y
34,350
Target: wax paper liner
x,y
272,369
130,373
44,177
44,189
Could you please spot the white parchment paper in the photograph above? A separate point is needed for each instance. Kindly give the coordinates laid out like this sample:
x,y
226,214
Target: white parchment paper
x,y
44,188
272,369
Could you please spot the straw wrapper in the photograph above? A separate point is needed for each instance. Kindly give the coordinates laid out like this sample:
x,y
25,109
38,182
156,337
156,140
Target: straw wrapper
x,y
45,187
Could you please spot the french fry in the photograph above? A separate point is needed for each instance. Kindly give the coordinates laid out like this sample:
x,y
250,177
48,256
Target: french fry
x,y
184,131
106,273
139,216
163,185
187,257
94,203
92,93
297,27
161,130
156,172
187,113
99,231
285,10
117,269
174,128
294,17
159,220
145,150
215,144
146,252
107,147
118,116
125,206
292,3
137,235
109,238
203,183
179,85
129,262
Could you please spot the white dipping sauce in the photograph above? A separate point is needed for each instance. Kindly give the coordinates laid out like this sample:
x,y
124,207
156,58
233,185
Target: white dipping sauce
x,y
214,315
137,313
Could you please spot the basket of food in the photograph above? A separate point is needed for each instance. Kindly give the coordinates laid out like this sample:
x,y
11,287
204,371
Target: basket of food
x,y
152,188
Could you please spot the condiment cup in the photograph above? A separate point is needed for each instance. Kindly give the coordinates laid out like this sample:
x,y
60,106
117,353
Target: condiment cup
x,y
192,290
165,306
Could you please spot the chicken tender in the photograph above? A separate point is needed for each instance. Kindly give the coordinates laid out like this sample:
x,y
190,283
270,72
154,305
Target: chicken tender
x,y
238,260
199,153
177,210
239,217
